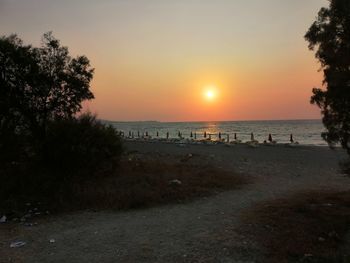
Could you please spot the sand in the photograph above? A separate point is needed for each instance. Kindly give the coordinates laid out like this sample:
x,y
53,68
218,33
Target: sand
x,y
190,232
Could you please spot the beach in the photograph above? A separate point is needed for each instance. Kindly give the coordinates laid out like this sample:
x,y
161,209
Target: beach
x,y
208,229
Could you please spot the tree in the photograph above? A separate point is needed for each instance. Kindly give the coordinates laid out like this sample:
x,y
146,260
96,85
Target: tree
x,y
40,84
330,35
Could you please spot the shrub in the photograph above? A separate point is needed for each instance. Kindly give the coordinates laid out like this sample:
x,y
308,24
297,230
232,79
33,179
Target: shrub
x,y
81,146
72,151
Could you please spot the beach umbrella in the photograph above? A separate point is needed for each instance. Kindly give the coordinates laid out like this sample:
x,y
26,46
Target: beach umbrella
x,y
205,134
291,138
191,135
252,137
270,137
157,134
167,135
179,134
146,134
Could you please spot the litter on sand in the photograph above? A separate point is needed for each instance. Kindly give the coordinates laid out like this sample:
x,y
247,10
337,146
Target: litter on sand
x,y
17,244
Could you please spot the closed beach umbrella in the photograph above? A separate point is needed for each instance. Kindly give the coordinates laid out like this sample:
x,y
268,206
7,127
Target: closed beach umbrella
x,y
195,135
146,134
220,135
252,137
205,134
157,134
138,134
129,133
270,137
235,137
291,138
167,135
191,135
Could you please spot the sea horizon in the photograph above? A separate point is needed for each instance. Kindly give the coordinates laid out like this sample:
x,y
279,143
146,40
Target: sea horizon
x,y
199,121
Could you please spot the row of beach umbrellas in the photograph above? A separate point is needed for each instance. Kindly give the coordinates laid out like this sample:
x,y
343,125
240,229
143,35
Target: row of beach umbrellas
x,y
206,135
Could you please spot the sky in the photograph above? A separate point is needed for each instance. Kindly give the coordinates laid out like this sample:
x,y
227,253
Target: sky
x,y
183,60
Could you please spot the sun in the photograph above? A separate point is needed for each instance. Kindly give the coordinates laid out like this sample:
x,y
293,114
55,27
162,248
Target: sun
x,y
210,93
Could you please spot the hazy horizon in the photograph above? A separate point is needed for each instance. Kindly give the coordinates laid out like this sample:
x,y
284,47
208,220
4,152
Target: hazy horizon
x,y
183,60
194,121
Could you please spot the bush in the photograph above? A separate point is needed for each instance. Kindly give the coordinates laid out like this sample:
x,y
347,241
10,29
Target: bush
x,y
81,147
72,151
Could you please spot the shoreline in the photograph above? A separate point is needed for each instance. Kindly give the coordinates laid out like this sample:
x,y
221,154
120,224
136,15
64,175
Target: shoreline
x,y
228,144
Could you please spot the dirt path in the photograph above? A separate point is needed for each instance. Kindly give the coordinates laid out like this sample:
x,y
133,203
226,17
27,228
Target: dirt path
x,y
206,230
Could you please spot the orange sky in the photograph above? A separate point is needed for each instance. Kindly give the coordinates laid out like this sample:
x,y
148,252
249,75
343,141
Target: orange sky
x,y
154,58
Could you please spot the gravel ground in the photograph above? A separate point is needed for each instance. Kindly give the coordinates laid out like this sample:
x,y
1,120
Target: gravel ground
x,y
205,230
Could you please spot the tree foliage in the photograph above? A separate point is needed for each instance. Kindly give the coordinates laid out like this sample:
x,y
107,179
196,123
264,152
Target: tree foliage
x,y
45,147
329,35
40,84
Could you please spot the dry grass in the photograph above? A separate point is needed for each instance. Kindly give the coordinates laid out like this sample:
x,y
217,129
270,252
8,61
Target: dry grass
x,y
309,227
144,182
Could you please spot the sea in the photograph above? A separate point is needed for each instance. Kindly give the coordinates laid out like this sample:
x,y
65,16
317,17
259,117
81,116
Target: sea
x,y
306,132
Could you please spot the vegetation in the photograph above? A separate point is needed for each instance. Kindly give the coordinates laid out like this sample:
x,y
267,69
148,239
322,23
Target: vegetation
x,y
144,181
40,84
44,147
307,227
330,35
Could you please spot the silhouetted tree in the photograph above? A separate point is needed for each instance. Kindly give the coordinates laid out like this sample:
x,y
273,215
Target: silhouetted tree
x,y
330,35
40,84
18,70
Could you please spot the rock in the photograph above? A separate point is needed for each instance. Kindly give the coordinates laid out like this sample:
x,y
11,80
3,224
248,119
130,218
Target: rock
x,y
17,244
27,216
175,182
308,255
3,219
52,240
333,234
321,239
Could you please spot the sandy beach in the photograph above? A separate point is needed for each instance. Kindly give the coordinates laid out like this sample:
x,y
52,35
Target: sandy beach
x,y
205,230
